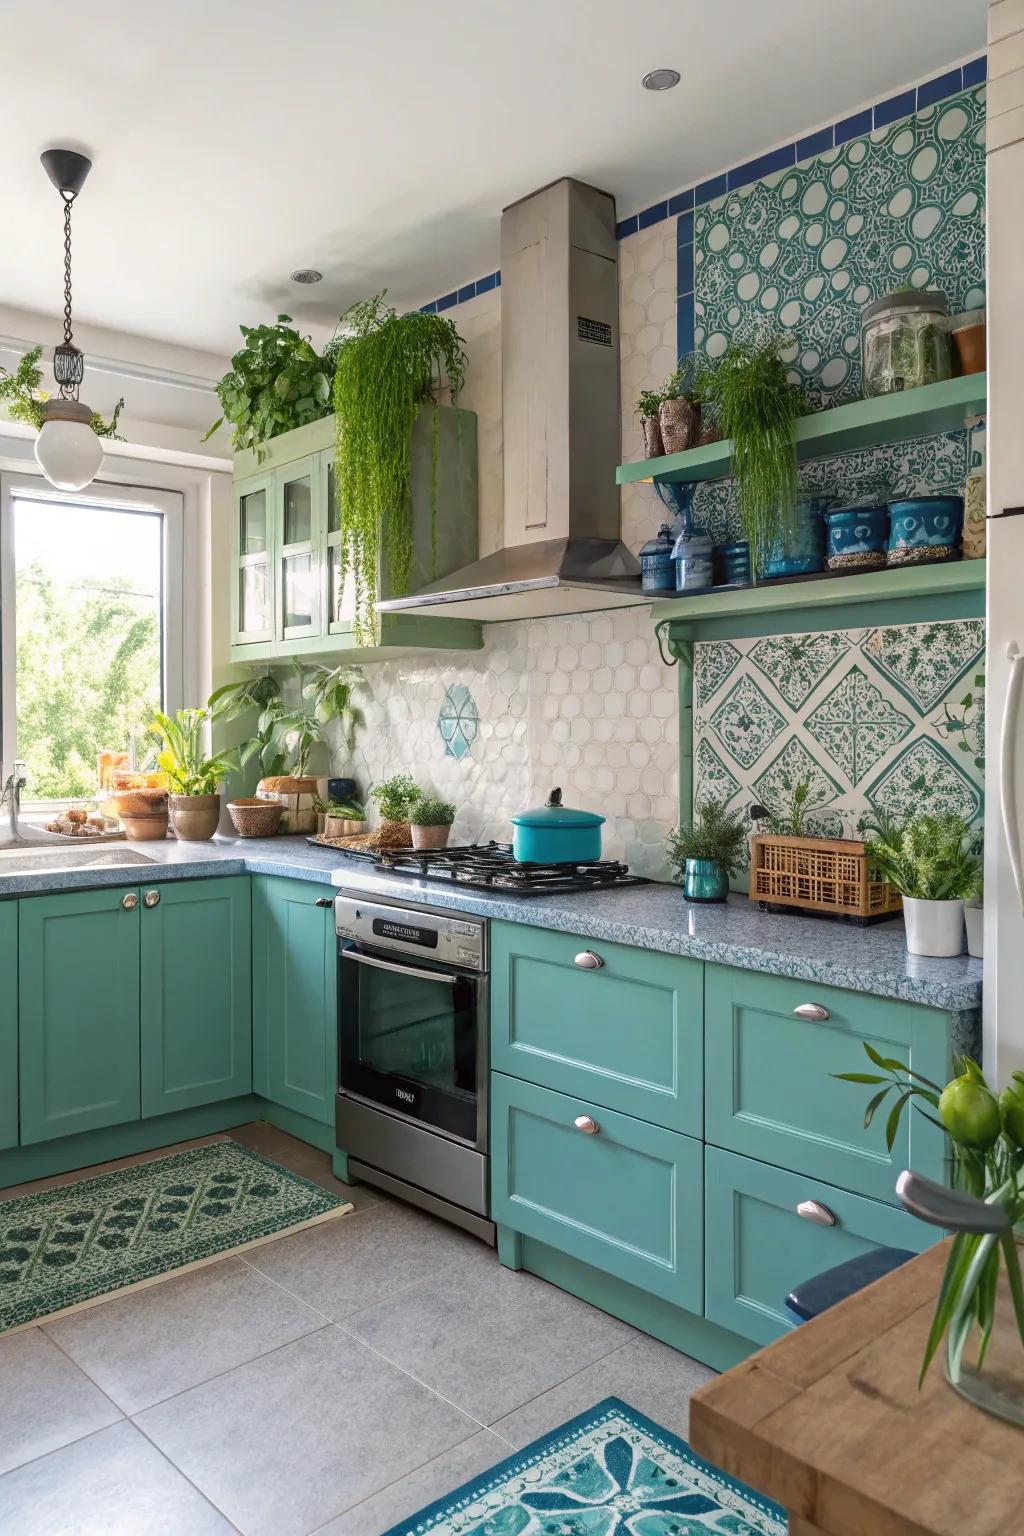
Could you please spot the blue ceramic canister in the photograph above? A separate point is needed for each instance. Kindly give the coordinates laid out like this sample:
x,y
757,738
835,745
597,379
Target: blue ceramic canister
x,y
732,563
705,880
657,573
857,536
800,549
924,528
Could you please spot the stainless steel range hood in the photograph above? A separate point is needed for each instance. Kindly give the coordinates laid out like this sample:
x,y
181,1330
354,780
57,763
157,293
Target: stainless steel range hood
x,y
561,413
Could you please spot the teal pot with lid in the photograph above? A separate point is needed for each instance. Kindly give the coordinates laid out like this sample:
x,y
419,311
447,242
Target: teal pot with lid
x,y
556,834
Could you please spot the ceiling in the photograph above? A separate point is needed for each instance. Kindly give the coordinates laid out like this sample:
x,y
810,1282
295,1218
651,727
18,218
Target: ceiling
x,y
236,141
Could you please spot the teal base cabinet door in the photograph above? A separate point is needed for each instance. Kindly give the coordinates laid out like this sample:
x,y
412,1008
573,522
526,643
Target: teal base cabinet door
x,y
759,1246
195,993
294,996
773,1046
620,1194
78,1024
8,1024
623,1026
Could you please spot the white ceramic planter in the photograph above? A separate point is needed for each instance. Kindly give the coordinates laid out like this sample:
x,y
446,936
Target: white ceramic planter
x,y
974,917
934,927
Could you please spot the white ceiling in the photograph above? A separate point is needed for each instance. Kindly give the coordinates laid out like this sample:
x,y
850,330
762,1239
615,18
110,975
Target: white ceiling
x,y
234,140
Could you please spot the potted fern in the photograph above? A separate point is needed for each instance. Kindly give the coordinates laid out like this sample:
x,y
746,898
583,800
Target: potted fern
x,y
708,851
431,822
932,861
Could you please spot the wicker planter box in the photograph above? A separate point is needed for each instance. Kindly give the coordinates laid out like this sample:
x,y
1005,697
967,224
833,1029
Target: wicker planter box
x,y
819,874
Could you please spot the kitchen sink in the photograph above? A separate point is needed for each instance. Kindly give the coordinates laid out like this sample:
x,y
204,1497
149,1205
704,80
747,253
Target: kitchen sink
x,y
29,861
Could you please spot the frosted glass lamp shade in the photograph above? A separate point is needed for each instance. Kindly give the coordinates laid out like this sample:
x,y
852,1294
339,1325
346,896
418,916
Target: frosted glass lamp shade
x,y
67,449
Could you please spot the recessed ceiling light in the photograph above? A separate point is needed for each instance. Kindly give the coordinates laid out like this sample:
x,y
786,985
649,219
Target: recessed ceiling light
x,y
306,275
660,80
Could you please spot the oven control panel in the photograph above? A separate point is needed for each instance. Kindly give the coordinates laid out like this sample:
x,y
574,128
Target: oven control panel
x,y
445,937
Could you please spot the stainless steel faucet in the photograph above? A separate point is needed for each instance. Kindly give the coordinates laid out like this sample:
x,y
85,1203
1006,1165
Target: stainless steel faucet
x,y
11,796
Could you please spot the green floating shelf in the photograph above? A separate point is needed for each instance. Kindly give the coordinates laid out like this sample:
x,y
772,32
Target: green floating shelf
x,y
862,424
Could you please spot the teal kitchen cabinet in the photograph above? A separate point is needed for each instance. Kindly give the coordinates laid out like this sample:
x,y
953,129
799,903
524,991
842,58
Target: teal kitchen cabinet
x,y
622,1026
618,1193
294,996
758,1246
78,1018
8,1024
773,1045
196,1006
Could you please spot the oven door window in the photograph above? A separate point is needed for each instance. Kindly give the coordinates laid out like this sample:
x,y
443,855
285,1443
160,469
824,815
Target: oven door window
x,y
409,1040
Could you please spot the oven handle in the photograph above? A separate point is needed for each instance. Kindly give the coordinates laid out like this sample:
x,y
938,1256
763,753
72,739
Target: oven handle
x,y
400,970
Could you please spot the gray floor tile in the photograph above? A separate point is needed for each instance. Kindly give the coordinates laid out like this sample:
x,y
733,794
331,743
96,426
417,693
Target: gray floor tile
x,y
303,1159
488,1338
289,1441
45,1400
343,1265
646,1374
113,1483
147,1346
409,1495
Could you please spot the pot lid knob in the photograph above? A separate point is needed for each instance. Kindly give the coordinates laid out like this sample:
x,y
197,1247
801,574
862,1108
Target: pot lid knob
x,y
555,797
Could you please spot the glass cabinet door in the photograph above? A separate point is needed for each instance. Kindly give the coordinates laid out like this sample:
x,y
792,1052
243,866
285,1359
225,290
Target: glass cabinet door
x,y
340,592
253,597
299,504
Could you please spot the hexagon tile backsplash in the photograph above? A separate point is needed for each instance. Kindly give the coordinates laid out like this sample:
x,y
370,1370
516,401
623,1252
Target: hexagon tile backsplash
x,y
584,702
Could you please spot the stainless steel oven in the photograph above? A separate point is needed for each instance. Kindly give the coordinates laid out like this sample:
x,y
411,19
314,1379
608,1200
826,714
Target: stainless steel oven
x,y
411,1109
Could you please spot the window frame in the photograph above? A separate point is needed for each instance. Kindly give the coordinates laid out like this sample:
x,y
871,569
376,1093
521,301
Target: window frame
x,y
169,506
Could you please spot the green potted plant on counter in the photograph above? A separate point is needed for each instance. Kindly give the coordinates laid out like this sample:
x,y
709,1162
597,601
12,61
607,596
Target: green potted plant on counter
x,y
708,851
932,861
396,798
431,822
194,778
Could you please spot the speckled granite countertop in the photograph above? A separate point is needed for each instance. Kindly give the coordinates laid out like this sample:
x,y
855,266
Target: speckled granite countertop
x,y
652,916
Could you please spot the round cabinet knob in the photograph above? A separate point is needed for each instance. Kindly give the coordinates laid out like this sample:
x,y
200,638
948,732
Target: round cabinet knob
x,y
130,901
586,1125
151,899
812,1011
588,961
813,1210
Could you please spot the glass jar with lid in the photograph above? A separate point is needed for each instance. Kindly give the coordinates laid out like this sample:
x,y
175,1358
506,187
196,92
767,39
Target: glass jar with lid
x,y
904,341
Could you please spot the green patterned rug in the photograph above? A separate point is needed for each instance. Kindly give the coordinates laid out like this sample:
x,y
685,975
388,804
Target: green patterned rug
x,y
69,1247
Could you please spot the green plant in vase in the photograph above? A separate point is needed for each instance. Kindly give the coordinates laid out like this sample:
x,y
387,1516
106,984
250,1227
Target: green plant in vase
x,y
684,394
396,797
194,778
933,862
278,381
389,366
707,851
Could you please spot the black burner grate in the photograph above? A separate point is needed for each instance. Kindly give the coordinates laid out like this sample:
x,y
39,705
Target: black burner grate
x,y
492,867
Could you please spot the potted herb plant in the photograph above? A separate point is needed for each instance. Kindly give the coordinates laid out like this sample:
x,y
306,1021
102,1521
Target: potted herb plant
x,y
343,818
708,851
647,408
431,822
277,381
396,797
194,778
681,401
933,863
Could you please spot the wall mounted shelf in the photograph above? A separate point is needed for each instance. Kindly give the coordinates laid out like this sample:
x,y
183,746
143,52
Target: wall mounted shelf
x,y
861,424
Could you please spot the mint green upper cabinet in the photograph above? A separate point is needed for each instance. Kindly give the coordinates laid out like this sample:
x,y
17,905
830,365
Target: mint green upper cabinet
x,y
294,996
78,1026
627,1032
299,524
253,561
8,1024
195,993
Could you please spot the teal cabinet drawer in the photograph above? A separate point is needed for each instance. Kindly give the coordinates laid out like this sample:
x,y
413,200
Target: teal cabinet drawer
x,y
627,1199
196,998
769,1089
295,968
8,1024
758,1248
627,1034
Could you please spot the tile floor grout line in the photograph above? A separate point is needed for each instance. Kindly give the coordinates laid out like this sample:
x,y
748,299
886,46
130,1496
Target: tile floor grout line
x,y
572,1377
402,1291
412,1376
181,1473
91,1379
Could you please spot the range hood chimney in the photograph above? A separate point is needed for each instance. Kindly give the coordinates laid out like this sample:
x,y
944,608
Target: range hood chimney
x,y
561,408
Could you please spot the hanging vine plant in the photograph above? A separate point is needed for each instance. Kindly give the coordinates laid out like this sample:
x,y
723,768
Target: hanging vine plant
x,y
20,391
389,366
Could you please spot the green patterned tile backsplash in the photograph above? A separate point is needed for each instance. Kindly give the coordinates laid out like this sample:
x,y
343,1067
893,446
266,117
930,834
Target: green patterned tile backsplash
x,y
887,718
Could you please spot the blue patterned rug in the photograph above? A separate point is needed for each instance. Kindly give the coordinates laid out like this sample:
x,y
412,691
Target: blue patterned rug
x,y
611,1472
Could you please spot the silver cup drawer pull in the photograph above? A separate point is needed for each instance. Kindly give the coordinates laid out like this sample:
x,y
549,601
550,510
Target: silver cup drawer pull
x,y
588,961
812,1011
813,1210
585,1124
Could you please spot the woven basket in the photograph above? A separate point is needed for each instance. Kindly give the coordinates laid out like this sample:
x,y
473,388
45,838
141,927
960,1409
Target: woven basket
x,y
255,818
818,874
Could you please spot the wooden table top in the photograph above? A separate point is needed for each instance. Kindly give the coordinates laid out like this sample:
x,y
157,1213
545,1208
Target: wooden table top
x,y
829,1423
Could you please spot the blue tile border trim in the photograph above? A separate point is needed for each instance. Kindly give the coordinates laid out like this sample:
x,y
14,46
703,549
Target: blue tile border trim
x,y
460,295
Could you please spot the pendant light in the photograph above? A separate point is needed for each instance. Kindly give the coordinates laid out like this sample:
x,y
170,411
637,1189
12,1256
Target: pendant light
x,y
67,449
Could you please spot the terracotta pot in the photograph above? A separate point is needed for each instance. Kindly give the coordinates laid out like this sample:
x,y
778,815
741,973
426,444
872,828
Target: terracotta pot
x,y
145,829
194,817
680,425
653,445
430,837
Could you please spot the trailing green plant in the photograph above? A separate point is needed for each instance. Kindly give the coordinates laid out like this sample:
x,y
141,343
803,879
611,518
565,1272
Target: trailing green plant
x,y
431,813
757,406
648,403
182,756
930,858
689,380
277,381
714,833
388,367
20,391
396,797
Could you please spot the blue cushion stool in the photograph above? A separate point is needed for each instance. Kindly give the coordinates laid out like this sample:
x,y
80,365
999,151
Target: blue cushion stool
x,y
824,1290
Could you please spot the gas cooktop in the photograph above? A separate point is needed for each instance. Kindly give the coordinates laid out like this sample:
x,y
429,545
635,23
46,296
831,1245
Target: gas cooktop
x,y
492,867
